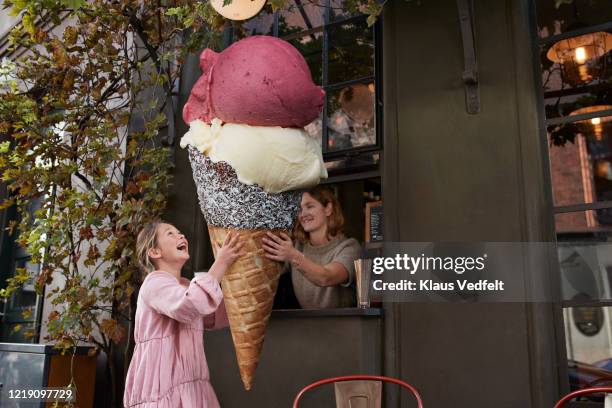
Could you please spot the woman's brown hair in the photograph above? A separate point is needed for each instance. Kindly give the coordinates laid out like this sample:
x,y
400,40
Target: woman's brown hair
x,y
147,239
335,221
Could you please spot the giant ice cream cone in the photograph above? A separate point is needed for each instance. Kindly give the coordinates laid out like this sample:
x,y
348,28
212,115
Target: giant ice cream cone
x,y
248,291
251,159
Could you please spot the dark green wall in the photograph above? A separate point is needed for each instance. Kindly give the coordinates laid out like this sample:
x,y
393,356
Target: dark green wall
x,y
183,208
299,349
451,176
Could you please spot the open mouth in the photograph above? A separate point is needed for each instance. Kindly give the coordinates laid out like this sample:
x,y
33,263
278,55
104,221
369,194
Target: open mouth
x,y
182,247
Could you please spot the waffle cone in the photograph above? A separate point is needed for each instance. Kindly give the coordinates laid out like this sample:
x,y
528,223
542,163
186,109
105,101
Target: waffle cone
x,y
249,286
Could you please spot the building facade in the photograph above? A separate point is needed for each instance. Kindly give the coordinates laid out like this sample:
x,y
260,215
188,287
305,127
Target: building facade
x,y
490,128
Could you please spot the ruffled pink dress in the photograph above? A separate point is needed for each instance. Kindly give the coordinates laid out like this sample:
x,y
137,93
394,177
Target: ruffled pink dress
x,y
168,368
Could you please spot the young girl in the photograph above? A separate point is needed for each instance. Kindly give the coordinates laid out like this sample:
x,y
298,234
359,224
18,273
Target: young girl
x,y
321,258
168,368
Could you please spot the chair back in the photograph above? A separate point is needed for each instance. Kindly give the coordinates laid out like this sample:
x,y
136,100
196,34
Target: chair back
x,y
585,391
359,392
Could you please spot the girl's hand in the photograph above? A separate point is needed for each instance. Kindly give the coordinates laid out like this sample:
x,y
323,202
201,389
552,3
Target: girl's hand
x,y
279,248
231,249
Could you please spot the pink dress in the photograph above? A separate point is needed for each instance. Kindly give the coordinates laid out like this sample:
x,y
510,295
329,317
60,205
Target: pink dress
x,y
168,368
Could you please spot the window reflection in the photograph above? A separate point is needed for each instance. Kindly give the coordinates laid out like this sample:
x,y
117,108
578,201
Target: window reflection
x,y
351,51
362,162
581,164
311,47
315,130
576,222
585,266
588,335
576,73
558,106
263,24
351,117
581,57
339,53
577,63
338,11
301,15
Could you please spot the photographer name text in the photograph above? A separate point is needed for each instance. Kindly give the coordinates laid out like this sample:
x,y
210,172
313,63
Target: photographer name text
x,y
410,266
429,285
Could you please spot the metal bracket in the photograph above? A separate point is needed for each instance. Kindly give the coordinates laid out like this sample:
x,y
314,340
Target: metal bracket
x,y
470,66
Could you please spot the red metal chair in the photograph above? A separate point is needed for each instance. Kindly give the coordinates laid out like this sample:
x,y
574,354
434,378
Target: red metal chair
x,y
401,383
580,393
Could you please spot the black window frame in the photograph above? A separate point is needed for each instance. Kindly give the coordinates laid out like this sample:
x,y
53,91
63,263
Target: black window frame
x,y
376,78
540,46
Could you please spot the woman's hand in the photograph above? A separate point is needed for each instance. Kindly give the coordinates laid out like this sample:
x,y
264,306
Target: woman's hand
x,y
279,248
230,250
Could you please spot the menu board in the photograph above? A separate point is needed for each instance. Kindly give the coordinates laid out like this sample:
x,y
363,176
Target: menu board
x,y
374,222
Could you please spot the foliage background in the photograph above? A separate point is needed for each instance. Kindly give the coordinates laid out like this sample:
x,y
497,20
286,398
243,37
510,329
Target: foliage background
x,y
82,173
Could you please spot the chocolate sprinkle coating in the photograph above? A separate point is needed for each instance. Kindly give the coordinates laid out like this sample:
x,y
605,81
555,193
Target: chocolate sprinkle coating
x,y
228,203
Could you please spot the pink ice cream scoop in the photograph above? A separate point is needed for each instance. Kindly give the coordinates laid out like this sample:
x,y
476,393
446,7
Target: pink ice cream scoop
x,y
258,81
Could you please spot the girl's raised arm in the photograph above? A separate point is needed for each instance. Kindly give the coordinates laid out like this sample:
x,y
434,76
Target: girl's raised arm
x,y
164,294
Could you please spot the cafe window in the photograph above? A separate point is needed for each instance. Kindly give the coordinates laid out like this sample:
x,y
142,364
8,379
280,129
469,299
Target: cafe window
x,y
340,50
575,44
20,315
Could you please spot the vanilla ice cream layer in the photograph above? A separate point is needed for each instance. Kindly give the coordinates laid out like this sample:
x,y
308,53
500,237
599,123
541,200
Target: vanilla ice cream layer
x,y
275,158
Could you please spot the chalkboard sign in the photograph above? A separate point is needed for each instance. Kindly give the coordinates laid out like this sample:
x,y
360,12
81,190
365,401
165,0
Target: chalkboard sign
x,y
374,222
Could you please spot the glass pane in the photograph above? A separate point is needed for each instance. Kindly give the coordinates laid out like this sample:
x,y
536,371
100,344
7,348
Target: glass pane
x,y
262,24
585,263
315,130
337,12
558,104
581,162
301,16
22,299
567,17
26,295
351,117
26,334
572,82
588,335
580,222
353,164
351,51
311,47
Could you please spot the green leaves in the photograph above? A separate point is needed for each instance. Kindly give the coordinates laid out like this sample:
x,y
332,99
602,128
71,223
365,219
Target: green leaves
x,y
373,9
17,6
277,4
81,184
73,4
28,24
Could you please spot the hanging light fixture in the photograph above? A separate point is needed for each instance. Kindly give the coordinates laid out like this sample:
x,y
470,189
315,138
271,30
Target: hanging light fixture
x,y
238,9
596,125
578,56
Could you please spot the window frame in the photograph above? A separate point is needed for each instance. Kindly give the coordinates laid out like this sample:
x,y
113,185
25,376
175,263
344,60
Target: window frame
x,y
10,255
374,78
540,44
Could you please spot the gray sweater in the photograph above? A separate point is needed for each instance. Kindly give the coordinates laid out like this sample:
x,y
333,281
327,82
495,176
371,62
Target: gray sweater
x,y
338,249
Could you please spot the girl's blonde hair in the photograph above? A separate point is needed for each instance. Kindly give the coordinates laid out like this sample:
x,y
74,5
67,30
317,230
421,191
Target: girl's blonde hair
x,y
146,240
335,222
